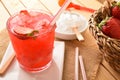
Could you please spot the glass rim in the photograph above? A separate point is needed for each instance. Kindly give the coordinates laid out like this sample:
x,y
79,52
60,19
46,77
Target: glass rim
x,y
34,10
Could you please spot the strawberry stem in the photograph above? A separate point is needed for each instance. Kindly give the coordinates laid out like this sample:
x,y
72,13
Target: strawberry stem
x,y
102,23
116,3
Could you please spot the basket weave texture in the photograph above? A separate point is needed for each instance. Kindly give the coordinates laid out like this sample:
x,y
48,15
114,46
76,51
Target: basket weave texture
x,y
110,47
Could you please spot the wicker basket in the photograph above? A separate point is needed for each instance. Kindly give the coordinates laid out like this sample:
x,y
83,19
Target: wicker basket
x,y
110,47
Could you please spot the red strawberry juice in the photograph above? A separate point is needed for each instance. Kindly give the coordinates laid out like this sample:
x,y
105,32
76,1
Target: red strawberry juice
x,y
32,39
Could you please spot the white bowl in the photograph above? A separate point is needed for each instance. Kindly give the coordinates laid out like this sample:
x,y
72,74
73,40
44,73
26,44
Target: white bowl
x,y
64,23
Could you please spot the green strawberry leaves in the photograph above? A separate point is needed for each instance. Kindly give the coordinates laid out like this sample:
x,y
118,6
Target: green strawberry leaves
x,y
115,3
102,23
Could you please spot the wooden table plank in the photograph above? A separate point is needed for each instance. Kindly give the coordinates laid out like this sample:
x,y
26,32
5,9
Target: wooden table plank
x,y
33,4
94,4
52,5
13,5
112,71
3,17
103,74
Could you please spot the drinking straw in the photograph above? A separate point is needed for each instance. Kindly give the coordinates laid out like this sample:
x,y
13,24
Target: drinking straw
x,y
76,63
82,68
64,6
79,57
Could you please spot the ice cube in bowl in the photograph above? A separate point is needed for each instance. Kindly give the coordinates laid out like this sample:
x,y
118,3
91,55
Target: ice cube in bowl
x,y
65,23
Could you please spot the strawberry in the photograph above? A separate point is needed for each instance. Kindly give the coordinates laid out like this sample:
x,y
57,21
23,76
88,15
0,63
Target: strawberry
x,y
25,12
116,9
24,32
110,27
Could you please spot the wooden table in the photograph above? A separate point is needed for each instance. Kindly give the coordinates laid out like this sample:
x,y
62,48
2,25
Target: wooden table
x,y
88,48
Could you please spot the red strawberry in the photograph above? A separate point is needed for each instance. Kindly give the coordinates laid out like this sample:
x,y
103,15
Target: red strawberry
x,y
25,32
116,10
25,12
111,27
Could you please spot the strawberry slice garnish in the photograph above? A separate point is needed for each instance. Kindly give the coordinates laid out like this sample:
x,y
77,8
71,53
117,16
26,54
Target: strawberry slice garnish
x,y
22,30
25,32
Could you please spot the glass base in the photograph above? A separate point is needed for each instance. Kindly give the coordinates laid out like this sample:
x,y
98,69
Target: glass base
x,y
35,70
